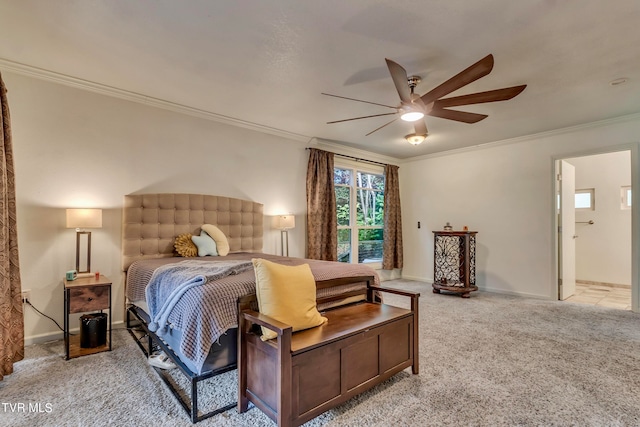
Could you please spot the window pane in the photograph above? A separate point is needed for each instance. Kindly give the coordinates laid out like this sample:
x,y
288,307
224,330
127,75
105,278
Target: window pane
x,y
369,207
369,180
342,205
344,245
370,245
625,195
342,176
584,199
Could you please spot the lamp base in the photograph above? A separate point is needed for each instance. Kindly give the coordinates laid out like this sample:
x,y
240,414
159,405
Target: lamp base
x,y
79,243
284,238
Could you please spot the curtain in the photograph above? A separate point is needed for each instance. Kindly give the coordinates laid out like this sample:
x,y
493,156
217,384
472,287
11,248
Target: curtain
x,y
392,245
11,318
322,222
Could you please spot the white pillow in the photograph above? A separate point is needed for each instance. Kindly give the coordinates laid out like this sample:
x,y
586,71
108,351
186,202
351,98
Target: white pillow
x,y
222,244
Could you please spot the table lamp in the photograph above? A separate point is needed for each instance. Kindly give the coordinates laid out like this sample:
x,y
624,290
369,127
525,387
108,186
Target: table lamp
x,y
284,223
81,219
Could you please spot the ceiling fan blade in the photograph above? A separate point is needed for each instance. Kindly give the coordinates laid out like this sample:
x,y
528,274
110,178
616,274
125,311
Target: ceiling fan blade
x,y
377,129
363,117
421,127
481,97
471,74
359,100
459,116
399,76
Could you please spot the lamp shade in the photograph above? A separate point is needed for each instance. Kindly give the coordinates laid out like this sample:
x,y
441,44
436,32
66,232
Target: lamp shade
x,y
285,222
84,218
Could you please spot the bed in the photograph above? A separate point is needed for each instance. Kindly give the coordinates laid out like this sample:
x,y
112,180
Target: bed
x,y
200,334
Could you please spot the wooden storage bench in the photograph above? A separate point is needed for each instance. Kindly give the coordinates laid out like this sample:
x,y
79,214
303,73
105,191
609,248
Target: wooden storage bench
x,y
297,376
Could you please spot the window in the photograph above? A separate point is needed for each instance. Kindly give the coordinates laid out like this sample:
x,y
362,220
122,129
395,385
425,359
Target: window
x,y
625,197
585,199
359,205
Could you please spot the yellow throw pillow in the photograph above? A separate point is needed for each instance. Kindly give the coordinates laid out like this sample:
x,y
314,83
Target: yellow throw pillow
x,y
288,294
222,244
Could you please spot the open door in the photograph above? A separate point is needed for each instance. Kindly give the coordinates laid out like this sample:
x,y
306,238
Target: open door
x,y
567,230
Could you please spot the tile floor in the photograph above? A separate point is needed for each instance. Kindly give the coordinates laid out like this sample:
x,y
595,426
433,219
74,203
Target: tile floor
x,y
602,294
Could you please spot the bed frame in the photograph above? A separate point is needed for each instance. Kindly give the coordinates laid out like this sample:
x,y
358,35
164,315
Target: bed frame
x,y
150,224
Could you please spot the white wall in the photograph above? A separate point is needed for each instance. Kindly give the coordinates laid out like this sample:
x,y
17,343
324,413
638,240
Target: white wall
x,y
75,148
506,193
80,149
603,250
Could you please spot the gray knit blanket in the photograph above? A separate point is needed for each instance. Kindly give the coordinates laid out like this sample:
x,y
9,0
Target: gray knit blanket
x,y
170,282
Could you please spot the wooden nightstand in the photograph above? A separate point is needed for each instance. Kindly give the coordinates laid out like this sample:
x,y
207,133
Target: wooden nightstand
x,y
85,294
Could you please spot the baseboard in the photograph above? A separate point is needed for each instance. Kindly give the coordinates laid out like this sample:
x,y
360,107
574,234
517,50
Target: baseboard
x,y
55,336
607,284
512,293
385,275
485,289
418,279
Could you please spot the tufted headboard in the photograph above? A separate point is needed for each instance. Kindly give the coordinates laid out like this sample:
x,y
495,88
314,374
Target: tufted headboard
x,y
152,221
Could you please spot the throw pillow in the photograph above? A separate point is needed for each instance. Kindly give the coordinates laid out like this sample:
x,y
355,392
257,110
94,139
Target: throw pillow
x,y
206,245
184,245
288,294
221,240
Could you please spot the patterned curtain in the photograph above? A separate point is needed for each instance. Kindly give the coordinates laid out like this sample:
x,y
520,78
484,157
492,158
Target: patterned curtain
x,y
11,318
322,222
392,246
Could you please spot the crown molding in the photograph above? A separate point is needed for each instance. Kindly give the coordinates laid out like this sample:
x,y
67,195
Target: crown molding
x,y
66,80
63,79
530,137
338,148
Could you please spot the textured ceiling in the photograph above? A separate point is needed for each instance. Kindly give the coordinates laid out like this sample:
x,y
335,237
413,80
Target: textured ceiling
x,y
267,62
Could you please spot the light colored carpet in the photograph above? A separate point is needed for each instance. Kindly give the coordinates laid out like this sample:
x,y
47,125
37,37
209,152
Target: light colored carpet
x,y
491,360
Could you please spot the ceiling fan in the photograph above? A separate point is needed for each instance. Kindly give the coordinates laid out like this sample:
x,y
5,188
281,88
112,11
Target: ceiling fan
x,y
413,107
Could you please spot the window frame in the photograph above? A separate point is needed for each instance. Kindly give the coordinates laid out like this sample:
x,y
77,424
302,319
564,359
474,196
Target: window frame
x,y
592,199
353,226
625,197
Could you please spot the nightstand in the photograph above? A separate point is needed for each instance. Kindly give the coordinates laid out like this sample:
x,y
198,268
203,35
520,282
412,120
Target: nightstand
x,y
85,294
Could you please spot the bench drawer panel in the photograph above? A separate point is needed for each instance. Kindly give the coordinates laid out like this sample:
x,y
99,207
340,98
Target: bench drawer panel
x,y
360,362
396,344
318,379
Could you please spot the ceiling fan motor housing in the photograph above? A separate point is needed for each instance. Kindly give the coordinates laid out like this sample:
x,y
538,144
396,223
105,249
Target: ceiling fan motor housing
x,y
413,81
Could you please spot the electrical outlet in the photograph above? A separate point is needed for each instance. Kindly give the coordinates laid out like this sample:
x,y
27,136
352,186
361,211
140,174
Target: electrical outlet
x,y
26,295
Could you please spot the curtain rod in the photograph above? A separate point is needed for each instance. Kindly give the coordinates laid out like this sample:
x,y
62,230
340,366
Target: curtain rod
x,y
357,159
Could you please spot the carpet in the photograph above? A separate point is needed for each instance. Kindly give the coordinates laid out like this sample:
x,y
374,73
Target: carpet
x,y
490,360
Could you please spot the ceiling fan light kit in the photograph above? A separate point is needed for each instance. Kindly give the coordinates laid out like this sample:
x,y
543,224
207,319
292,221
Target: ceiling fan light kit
x,y
413,107
414,139
412,116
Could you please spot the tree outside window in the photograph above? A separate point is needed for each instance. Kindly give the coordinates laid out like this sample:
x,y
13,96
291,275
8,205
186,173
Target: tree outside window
x,y
360,203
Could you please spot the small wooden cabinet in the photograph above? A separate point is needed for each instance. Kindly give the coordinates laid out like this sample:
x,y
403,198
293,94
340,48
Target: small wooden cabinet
x,y
454,262
84,295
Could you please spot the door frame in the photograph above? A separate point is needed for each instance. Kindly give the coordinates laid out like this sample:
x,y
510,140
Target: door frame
x,y
566,237
634,148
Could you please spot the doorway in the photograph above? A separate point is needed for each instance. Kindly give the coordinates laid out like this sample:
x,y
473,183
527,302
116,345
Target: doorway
x,y
594,229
